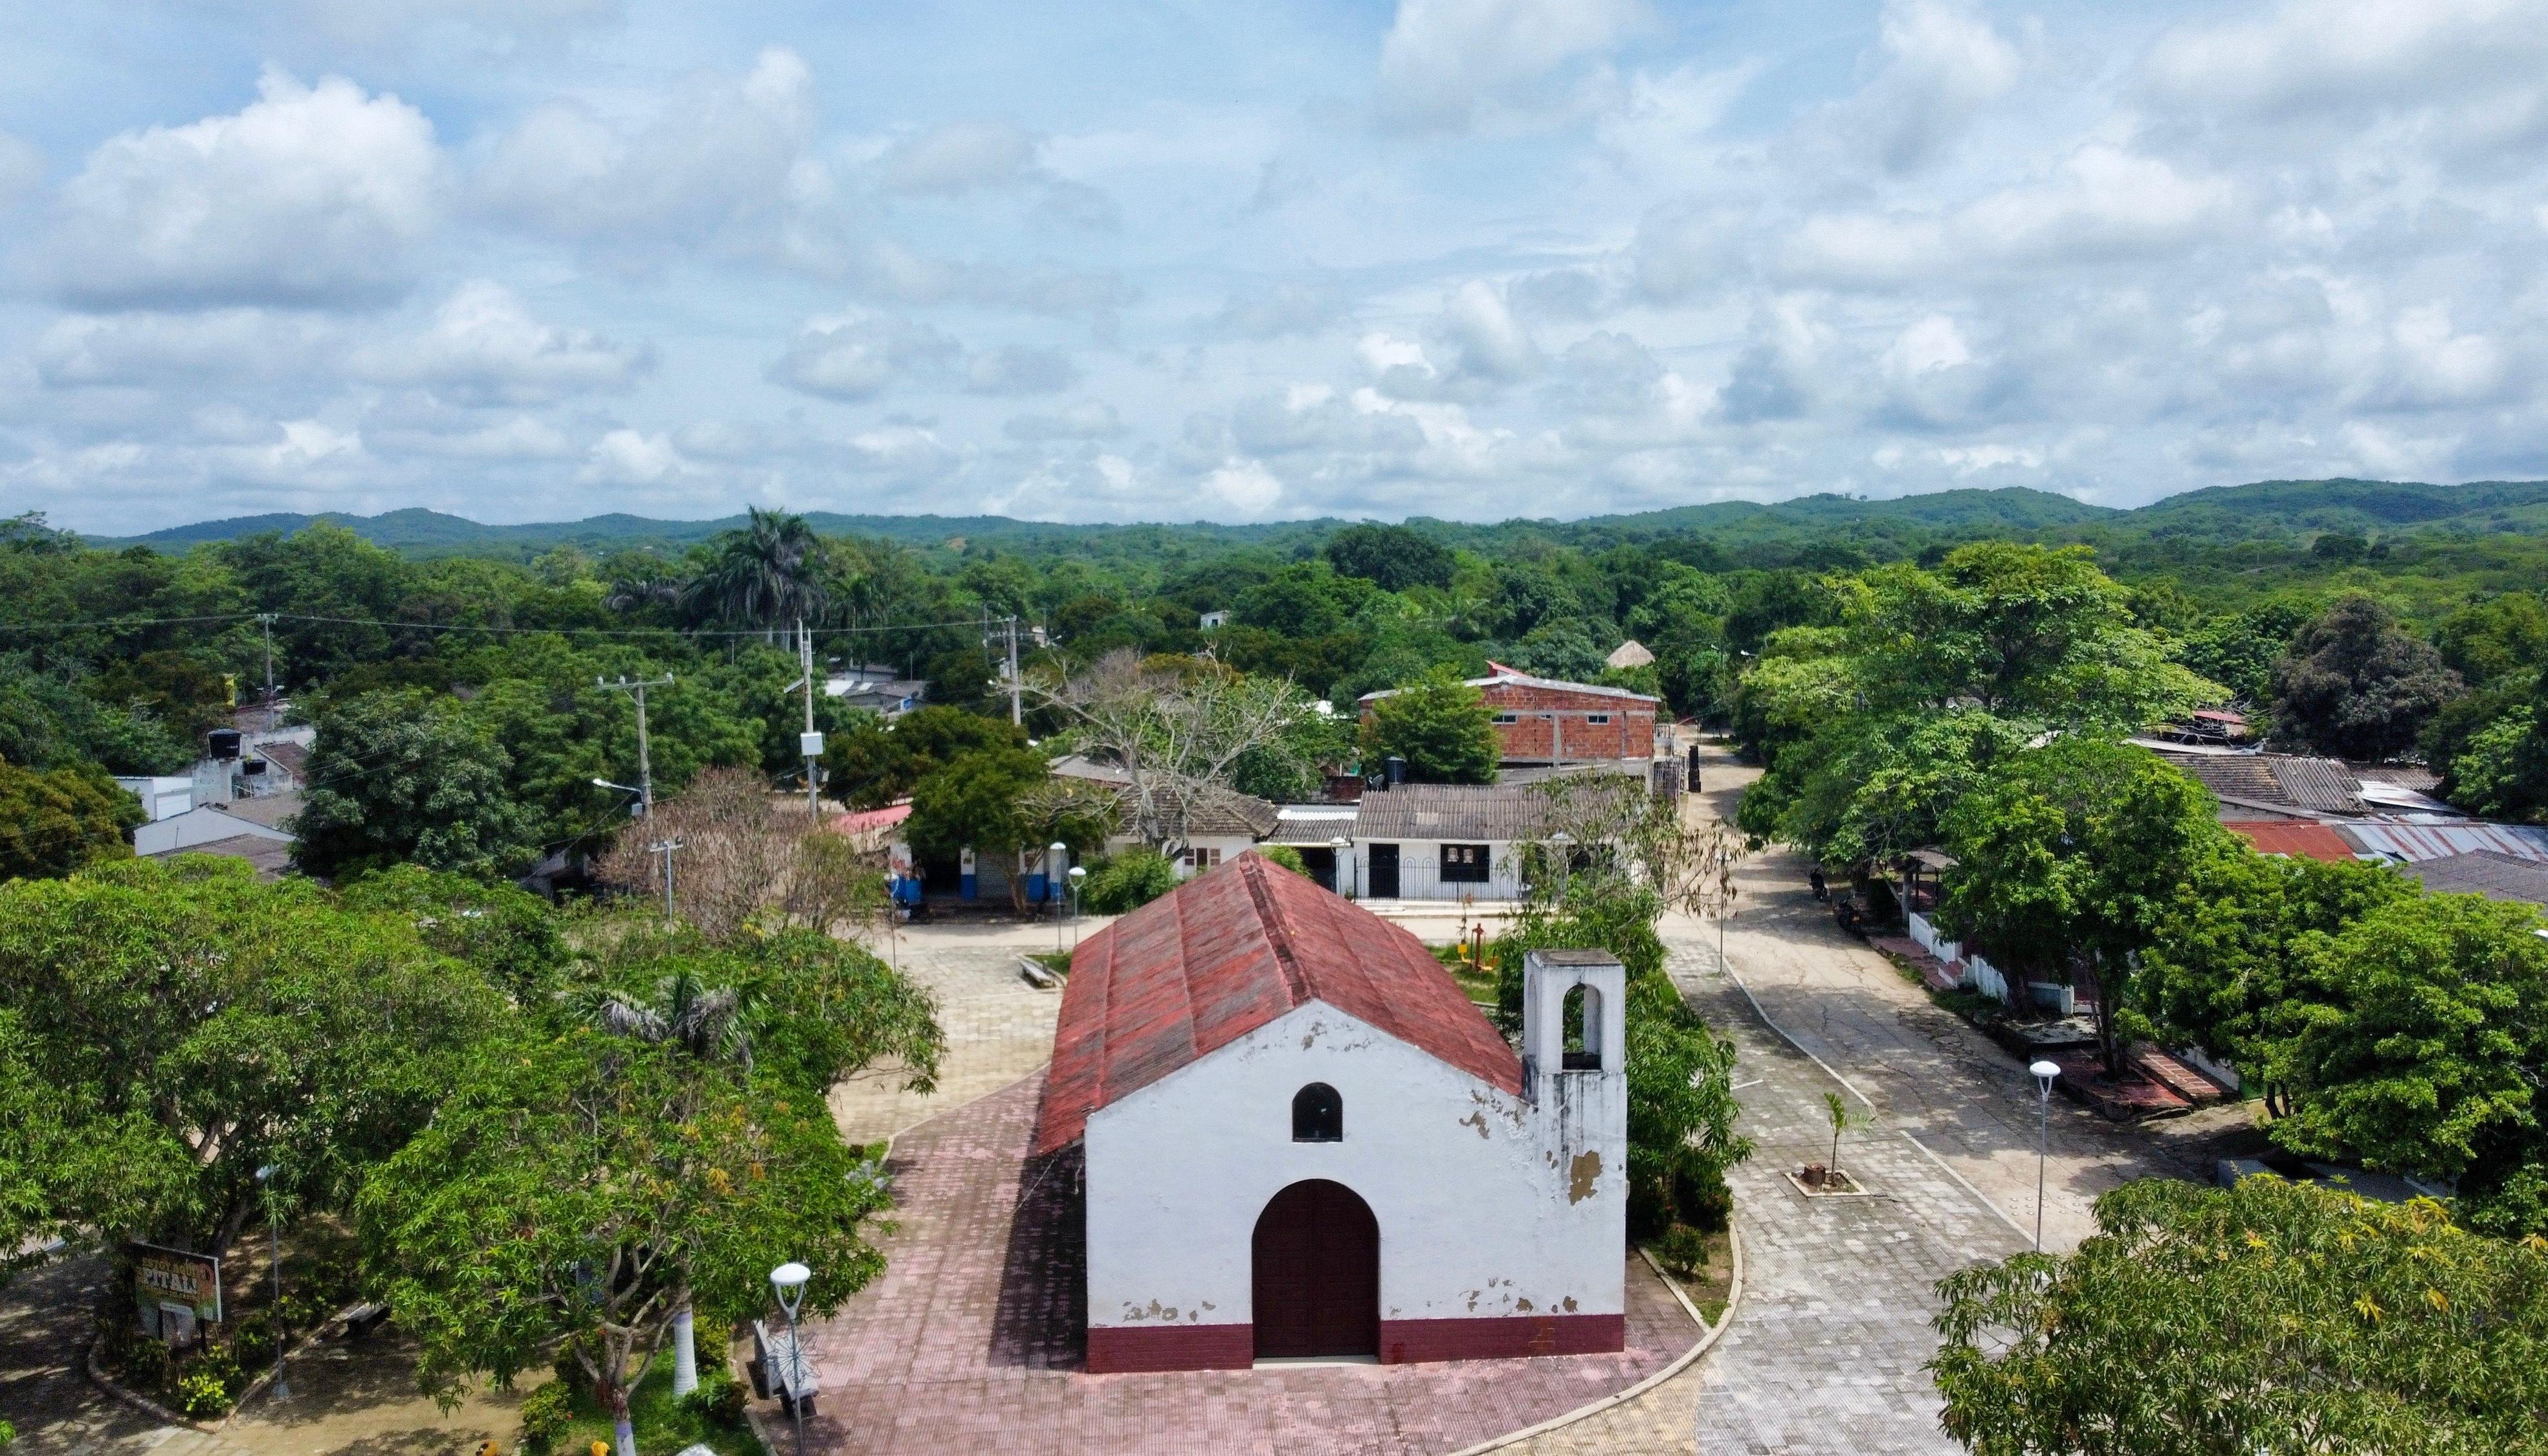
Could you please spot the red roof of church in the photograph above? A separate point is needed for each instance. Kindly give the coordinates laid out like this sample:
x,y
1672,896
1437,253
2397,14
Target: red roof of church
x,y
1227,952
2300,838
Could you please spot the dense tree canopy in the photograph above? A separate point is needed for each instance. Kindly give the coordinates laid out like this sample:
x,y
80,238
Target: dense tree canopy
x,y
396,779
2358,685
2269,1318
1442,726
55,822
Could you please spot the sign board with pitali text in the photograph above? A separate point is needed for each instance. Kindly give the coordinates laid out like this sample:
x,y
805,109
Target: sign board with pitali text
x,y
169,1279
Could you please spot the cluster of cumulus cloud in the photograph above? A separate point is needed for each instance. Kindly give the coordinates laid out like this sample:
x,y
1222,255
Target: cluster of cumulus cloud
x,y
1508,257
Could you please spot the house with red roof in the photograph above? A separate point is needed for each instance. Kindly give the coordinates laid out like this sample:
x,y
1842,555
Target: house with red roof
x,y
1303,1140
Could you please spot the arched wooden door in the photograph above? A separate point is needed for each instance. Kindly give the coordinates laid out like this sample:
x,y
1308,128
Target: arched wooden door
x,y
1317,1273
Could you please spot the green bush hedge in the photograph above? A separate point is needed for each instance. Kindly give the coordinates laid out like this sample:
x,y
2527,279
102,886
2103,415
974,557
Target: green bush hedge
x,y
1128,881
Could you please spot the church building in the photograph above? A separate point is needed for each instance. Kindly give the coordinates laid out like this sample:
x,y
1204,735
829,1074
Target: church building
x,y
1303,1140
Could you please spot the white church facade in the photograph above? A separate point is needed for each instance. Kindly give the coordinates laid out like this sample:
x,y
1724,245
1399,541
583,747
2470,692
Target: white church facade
x,y
1303,1141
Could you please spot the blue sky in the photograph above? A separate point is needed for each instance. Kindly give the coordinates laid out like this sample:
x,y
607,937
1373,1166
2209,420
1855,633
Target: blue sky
x,y
534,260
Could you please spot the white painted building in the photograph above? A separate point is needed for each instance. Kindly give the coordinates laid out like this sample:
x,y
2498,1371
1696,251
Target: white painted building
x,y
1445,841
1303,1139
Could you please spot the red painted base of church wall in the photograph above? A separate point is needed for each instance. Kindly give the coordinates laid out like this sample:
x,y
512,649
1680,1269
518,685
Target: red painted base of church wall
x,y
1125,1349
1120,1348
1410,1341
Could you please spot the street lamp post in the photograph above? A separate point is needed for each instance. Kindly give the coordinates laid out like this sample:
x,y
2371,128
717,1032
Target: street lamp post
x,y
788,1281
1079,877
1564,843
2044,1072
1344,864
274,1255
1053,855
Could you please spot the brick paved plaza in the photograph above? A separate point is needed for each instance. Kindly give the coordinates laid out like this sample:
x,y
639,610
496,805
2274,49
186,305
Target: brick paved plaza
x,y
970,1339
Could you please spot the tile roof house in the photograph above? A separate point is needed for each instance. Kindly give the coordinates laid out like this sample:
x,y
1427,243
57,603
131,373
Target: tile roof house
x,y
1301,1139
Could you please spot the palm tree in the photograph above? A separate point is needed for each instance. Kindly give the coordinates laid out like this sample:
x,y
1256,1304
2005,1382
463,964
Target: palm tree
x,y
705,1022
763,575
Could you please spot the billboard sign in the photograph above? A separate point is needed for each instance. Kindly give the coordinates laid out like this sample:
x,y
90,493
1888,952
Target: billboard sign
x,y
163,1278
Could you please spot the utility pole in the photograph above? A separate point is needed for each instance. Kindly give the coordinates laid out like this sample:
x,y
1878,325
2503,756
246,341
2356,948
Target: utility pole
x,y
265,619
645,766
813,742
1017,714
666,847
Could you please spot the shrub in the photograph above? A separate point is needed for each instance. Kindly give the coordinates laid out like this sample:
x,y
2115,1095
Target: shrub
x,y
201,1393
1128,881
546,1415
1285,856
718,1401
1683,1251
8,1435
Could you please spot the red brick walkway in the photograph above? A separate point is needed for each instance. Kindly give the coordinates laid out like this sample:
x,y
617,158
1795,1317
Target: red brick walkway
x,y
971,1339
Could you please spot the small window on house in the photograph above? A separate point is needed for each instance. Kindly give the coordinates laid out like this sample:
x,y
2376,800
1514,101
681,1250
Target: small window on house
x,y
1465,863
1583,1023
1507,718
1318,1115
1596,718
1202,859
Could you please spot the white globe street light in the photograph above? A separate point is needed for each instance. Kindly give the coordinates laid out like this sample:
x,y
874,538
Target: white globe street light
x,y
274,1246
2044,1072
789,1282
1344,850
1079,877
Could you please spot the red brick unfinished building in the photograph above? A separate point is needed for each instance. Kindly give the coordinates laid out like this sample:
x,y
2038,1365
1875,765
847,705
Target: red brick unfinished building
x,y
1542,720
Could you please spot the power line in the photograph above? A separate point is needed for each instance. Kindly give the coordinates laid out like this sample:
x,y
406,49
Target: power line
x,y
295,616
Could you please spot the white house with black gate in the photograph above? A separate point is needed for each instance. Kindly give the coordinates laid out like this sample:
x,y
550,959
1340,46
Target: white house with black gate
x,y
1444,841
1303,1140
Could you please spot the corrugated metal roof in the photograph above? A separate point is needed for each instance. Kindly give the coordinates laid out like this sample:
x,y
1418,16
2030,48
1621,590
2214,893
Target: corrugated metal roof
x,y
1478,812
1227,952
2416,842
1505,675
272,857
2489,872
2296,837
867,821
2314,783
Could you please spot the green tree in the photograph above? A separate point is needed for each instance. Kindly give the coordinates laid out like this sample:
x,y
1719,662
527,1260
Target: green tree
x,y
2269,1318
398,779
875,761
1442,726
2502,636
999,801
573,1192
2419,1040
2066,861
247,1023
69,1169
1392,558
767,575
2223,967
53,823
2358,685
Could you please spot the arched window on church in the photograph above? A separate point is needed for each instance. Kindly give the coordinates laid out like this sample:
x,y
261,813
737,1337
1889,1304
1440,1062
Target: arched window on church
x,y
1318,1115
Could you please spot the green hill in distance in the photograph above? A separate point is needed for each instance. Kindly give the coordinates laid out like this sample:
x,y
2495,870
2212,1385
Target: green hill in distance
x,y
1886,527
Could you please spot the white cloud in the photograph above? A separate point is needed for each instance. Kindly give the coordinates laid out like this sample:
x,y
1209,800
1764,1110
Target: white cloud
x,y
484,347
1244,488
1443,58
1016,368
215,345
714,154
2438,365
860,356
625,457
1492,344
310,195
1092,419
962,156
2340,53
22,169
1941,65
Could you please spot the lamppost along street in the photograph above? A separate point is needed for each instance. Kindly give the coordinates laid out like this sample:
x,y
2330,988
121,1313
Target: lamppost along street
x,y
788,1280
1564,843
1079,877
274,1246
2044,1072
1344,864
1053,855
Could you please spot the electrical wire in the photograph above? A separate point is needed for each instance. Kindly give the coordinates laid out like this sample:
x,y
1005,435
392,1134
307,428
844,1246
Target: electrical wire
x,y
295,616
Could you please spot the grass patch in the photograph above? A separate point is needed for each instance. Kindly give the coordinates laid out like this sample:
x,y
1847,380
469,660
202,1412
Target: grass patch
x,y
1057,961
663,1427
1479,984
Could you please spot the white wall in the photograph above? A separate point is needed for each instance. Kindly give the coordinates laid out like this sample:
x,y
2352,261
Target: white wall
x,y
1471,1187
1419,871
